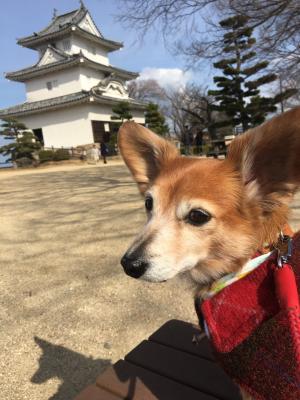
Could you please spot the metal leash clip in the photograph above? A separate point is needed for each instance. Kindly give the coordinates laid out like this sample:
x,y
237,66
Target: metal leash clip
x,y
284,248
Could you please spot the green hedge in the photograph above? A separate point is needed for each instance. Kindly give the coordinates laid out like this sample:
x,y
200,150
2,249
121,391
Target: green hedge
x,y
50,155
61,154
46,155
24,162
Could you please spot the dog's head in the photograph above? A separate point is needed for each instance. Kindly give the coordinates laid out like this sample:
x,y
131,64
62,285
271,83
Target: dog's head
x,y
206,216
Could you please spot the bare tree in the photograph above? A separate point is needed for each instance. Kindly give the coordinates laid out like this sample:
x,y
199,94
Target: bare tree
x,y
178,118
170,101
277,23
199,106
146,90
288,83
167,15
187,107
190,108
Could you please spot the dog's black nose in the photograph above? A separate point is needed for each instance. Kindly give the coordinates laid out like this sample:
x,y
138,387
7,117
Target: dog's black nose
x,y
133,266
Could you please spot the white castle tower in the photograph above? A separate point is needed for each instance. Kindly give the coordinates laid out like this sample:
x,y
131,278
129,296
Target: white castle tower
x,y
72,88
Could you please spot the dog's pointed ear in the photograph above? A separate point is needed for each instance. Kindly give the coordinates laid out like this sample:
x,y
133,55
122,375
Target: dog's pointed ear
x,y
144,152
268,158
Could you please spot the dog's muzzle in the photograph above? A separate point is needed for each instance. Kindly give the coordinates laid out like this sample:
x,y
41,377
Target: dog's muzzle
x,y
134,266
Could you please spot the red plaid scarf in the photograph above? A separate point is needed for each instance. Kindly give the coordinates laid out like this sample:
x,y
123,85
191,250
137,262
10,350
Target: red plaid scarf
x,y
254,327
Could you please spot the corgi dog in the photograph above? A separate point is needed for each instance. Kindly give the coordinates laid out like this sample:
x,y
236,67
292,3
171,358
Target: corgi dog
x,y
209,216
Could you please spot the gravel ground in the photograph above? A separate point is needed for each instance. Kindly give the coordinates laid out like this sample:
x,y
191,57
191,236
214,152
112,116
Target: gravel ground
x,y
66,308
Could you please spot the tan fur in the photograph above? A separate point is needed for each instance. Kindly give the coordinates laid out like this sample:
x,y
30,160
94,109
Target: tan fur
x,y
247,195
245,395
145,152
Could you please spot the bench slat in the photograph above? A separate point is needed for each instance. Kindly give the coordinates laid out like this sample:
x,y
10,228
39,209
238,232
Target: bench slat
x,y
203,375
93,392
135,383
179,335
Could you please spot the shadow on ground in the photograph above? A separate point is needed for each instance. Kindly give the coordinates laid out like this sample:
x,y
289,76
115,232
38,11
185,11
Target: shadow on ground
x,y
74,370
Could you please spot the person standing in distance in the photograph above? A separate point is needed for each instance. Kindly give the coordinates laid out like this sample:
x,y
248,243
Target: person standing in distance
x,y
103,152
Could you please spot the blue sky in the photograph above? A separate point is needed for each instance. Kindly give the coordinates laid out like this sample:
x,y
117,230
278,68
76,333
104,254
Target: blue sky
x,y
20,18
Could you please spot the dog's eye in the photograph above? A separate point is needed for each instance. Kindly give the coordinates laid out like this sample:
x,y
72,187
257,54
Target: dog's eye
x,y
149,203
198,217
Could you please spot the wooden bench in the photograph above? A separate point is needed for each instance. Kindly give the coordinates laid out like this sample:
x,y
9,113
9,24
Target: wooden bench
x,y
167,366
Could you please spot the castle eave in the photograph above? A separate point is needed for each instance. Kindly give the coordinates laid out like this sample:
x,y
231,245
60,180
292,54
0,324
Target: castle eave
x,y
69,100
135,105
26,74
45,105
36,40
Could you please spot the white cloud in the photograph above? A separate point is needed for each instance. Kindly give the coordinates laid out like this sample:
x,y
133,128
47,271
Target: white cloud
x,y
167,77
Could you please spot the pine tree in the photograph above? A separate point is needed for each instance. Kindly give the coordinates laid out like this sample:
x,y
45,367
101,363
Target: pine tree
x,y
238,93
155,120
122,112
24,146
11,128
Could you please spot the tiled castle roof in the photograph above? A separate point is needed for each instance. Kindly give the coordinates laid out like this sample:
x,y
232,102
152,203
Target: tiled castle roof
x,y
62,101
68,61
29,107
60,21
62,25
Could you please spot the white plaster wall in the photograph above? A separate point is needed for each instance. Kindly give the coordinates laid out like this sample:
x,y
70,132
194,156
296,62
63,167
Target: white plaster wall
x,y
49,57
68,81
41,51
90,77
138,116
69,127
99,112
59,44
88,25
85,45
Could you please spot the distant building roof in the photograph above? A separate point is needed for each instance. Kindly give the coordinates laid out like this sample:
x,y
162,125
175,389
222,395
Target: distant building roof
x,y
64,24
67,61
63,101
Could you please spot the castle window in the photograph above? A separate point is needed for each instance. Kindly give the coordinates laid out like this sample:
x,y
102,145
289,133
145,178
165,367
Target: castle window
x,y
66,45
51,84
